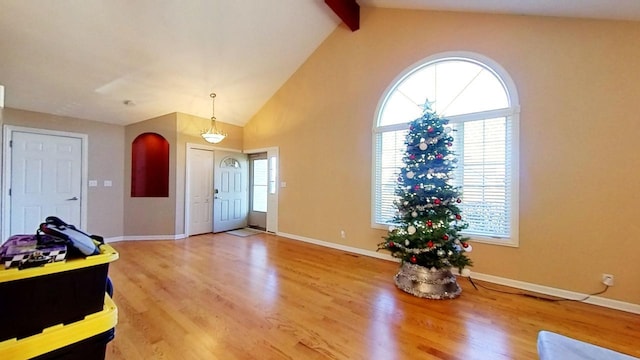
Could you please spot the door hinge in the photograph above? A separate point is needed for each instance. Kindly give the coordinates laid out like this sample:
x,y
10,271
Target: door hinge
x,y
9,192
10,143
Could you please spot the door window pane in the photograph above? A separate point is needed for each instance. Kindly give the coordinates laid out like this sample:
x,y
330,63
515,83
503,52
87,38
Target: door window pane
x,y
259,187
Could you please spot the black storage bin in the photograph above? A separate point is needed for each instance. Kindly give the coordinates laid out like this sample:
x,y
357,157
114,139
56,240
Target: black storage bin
x,y
86,339
58,293
93,348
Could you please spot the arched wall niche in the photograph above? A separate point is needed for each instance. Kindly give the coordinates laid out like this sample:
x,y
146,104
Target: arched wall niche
x,y
150,166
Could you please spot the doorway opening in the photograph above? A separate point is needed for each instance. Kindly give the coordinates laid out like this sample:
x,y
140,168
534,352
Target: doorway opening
x,y
258,190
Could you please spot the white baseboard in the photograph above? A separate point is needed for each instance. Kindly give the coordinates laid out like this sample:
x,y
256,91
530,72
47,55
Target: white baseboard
x,y
144,238
541,289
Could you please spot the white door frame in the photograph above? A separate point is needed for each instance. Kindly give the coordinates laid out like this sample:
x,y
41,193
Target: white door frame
x,y
272,199
6,172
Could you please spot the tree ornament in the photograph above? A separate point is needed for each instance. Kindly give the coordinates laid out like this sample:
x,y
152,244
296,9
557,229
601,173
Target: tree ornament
x,y
407,242
414,214
410,175
423,146
458,200
445,237
412,157
416,187
411,230
439,156
436,201
440,252
413,259
391,244
430,129
458,217
429,223
430,244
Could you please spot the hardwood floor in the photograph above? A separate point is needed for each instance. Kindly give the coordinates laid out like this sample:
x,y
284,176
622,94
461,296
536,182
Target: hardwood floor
x,y
266,297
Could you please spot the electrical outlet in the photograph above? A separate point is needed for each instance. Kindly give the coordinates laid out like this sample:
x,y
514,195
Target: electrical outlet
x,y
607,279
343,234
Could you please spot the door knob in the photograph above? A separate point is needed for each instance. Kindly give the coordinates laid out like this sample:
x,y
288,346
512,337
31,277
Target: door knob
x,y
72,199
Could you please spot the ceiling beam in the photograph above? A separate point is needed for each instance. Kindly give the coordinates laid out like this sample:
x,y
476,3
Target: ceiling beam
x,y
347,10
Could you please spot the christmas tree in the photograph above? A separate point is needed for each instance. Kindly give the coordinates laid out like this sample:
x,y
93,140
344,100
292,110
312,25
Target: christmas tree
x,y
428,220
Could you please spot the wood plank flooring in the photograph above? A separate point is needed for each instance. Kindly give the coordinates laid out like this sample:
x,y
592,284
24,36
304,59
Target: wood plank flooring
x,y
266,297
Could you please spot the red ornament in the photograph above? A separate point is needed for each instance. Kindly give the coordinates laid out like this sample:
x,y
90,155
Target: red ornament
x,y
413,259
458,201
417,187
430,244
430,129
445,237
465,245
439,156
449,144
412,157
429,223
458,217
399,179
391,244
437,201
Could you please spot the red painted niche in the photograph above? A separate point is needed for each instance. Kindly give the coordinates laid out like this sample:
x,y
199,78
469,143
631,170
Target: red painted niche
x,y
150,166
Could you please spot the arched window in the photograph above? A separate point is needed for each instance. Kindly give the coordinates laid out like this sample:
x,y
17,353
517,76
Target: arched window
x,y
481,103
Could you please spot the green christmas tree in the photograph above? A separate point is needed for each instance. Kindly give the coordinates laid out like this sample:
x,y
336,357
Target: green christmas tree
x,y
428,219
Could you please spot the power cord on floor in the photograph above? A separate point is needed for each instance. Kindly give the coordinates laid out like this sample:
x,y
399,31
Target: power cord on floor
x,y
537,296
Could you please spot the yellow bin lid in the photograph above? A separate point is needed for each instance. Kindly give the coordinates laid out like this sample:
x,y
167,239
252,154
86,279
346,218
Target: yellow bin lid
x,y
58,336
107,254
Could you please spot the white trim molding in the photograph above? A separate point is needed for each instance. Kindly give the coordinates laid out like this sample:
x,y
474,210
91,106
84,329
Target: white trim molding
x,y
541,289
144,238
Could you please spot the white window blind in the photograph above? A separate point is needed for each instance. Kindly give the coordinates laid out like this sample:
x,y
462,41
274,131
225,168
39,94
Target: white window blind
x,y
391,148
484,175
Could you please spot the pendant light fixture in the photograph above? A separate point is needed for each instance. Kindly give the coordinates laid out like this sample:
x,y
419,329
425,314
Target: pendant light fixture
x,y
213,135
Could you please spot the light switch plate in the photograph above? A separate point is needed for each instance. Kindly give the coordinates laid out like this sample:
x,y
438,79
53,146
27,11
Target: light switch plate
x,y
108,183
93,183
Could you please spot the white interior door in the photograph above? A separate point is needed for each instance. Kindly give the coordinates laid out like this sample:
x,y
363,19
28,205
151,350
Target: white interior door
x,y
46,180
230,204
200,191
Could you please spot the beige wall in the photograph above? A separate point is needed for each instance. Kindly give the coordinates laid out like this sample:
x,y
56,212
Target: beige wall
x,y
150,215
579,87
106,146
165,216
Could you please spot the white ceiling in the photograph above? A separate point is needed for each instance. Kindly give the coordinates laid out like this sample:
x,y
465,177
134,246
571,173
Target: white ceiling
x,y
85,58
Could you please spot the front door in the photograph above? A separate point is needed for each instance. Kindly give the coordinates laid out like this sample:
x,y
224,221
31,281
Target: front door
x,y
200,191
230,204
46,180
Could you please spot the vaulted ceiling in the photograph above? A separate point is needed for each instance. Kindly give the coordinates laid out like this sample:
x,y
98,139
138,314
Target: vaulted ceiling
x,y
85,59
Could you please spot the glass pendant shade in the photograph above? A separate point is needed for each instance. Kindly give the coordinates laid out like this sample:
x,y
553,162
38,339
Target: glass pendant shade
x,y
213,135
